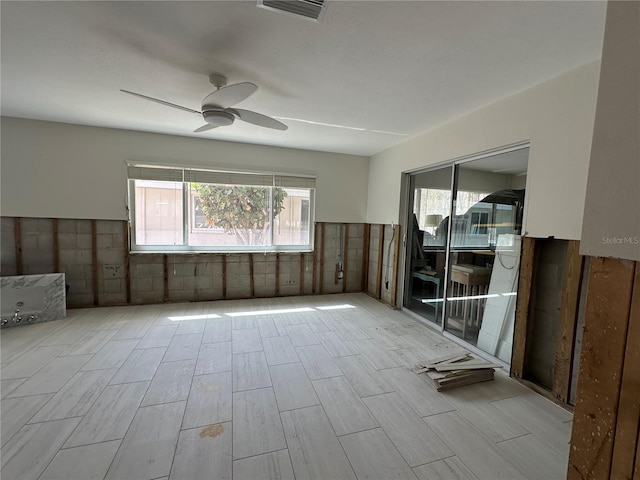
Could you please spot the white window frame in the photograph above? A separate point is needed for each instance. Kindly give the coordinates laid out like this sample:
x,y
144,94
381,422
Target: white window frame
x,y
185,176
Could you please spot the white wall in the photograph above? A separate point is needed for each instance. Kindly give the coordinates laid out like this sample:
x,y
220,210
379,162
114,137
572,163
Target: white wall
x,y
612,215
518,182
557,117
68,171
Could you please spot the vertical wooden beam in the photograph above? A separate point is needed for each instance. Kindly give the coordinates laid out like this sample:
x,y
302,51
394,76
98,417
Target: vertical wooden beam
x,y
601,360
165,273
366,242
345,251
94,262
127,261
568,320
56,247
380,261
525,279
315,259
302,274
224,276
626,442
322,226
278,274
17,233
251,280
396,259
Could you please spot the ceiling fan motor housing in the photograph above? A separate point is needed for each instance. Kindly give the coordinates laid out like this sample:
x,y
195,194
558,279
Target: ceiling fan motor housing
x,y
220,118
216,106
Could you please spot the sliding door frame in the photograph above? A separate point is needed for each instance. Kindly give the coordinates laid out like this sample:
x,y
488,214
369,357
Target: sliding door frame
x,y
406,212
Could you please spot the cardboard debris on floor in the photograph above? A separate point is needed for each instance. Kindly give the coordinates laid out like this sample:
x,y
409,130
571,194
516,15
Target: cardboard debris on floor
x,y
456,370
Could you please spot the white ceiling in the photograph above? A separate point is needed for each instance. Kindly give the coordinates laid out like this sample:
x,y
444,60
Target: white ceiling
x,y
379,66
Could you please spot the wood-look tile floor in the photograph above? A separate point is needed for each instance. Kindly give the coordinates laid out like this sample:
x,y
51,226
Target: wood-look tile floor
x,y
300,387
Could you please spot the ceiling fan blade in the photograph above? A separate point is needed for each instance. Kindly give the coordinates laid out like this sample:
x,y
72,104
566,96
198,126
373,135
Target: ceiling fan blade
x,y
206,127
258,119
161,102
229,95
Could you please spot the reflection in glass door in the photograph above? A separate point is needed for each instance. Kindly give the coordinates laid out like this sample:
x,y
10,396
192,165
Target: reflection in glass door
x,y
484,254
473,262
430,203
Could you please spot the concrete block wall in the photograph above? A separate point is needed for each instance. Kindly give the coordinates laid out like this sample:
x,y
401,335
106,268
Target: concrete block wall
x,y
7,247
37,242
111,245
37,245
374,250
343,243
75,247
100,271
238,276
333,241
388,264
147,278
354,255
264,274
384,286
289,274
192,278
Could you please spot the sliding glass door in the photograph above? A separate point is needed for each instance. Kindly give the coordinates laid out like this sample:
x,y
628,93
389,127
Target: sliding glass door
x,y
465,227
430,203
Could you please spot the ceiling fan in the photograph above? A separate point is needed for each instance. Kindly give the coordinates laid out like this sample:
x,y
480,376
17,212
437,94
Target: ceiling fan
x,y
216,107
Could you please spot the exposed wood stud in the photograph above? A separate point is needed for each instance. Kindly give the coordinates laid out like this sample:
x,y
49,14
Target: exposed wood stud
x,y
127,261
18,245
251,280
56,246
380,261
568,320
396,259
345,254
518,354
224,276
315,259
302,274
278,274
626,442
94,262
165,270
321,289
366,242
601,360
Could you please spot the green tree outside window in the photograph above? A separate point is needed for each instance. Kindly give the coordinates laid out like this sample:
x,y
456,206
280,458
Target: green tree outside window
x,y
243,211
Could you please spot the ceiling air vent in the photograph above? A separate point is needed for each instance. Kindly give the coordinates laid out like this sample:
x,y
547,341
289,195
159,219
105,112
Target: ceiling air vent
x,y
310,9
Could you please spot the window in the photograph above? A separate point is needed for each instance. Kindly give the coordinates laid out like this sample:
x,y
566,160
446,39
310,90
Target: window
x,y
176,209
431,208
